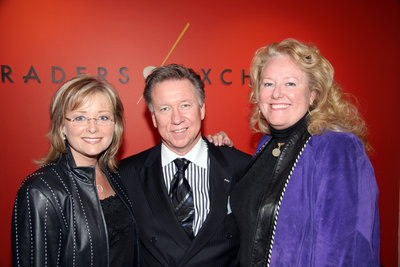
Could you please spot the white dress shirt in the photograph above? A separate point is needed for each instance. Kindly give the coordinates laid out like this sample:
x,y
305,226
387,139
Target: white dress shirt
x,y
197,175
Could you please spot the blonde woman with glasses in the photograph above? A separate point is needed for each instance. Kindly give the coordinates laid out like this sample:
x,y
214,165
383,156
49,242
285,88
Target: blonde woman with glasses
x,y
73,210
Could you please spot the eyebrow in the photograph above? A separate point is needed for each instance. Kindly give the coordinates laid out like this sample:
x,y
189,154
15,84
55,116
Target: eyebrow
x,y
85,112
285,77
180,102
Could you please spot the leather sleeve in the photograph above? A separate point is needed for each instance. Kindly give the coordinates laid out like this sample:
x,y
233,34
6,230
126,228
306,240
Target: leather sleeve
x,y
36,230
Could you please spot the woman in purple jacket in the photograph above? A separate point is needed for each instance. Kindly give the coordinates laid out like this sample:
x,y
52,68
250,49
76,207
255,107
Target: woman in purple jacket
x,y
309,197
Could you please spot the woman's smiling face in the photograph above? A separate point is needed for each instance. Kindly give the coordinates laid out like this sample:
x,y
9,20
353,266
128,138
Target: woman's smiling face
x,y
284,92
87,141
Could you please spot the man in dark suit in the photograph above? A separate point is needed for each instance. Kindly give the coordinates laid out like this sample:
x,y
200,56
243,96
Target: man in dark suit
x,y
182,207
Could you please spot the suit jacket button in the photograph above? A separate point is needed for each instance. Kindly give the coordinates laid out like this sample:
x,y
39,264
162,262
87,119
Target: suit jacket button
x,y
153,239
228,236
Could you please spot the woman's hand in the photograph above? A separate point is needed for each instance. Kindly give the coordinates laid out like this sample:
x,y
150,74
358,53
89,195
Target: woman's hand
x,y
220,139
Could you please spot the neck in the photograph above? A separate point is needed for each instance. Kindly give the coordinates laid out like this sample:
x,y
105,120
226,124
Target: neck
x,y
285,133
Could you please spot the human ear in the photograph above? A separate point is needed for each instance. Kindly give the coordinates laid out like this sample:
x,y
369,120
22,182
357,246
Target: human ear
x,y
153,118
203,111
313,94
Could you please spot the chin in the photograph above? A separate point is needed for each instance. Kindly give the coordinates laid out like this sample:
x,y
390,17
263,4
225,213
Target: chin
x,y
93,153
180,146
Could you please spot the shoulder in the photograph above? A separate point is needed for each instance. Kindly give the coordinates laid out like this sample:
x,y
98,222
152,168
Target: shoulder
x,y
45,181
40,176
337,142
229,152
340,155
329,136
138,159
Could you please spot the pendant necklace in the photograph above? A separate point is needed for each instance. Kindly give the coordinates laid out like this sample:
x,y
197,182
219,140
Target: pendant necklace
x,y
99,174
100,188
277,150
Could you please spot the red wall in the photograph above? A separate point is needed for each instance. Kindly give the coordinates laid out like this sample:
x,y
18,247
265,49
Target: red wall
x,y
360,38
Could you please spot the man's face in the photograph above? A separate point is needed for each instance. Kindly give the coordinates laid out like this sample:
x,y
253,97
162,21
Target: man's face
x,y
177,114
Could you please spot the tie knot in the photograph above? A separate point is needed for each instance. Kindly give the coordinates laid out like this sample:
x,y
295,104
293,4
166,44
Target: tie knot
x,y
181,164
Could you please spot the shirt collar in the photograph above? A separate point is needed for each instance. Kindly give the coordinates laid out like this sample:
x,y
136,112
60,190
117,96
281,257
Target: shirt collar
x,y
197,155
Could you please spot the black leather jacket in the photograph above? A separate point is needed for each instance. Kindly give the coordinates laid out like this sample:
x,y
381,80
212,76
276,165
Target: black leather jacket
x,y
257,197
58,220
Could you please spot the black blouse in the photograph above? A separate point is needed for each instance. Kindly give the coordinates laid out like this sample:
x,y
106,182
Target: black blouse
x,y
120,228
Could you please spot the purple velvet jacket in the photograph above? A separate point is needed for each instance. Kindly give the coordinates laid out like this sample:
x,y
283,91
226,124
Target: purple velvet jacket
x,y
329,212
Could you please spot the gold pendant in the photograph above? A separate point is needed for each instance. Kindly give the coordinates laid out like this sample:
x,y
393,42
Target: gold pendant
x,y
277,150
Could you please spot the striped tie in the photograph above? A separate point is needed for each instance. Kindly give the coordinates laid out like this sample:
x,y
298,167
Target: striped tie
x,y
182,197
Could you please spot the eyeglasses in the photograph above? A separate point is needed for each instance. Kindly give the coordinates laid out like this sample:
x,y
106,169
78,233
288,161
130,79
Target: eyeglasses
x,y
83,121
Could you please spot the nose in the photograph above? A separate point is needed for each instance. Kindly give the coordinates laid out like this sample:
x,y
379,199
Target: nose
x,y
92,126
176,116
277,92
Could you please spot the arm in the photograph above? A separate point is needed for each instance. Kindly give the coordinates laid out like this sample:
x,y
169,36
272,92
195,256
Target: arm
x,y
36,232
346,229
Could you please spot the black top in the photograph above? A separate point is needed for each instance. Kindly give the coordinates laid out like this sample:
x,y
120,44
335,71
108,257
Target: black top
x,y
279,136
257,194
120,230
282,135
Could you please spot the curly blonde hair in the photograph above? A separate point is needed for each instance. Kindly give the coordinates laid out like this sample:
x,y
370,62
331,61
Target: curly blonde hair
x,y
70,96
329,111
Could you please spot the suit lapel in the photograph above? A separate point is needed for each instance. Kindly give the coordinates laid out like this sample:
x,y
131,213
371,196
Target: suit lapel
x,y
219,177
157,197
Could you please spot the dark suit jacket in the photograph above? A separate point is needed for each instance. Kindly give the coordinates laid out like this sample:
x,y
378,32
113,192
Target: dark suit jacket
x,y
163,240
